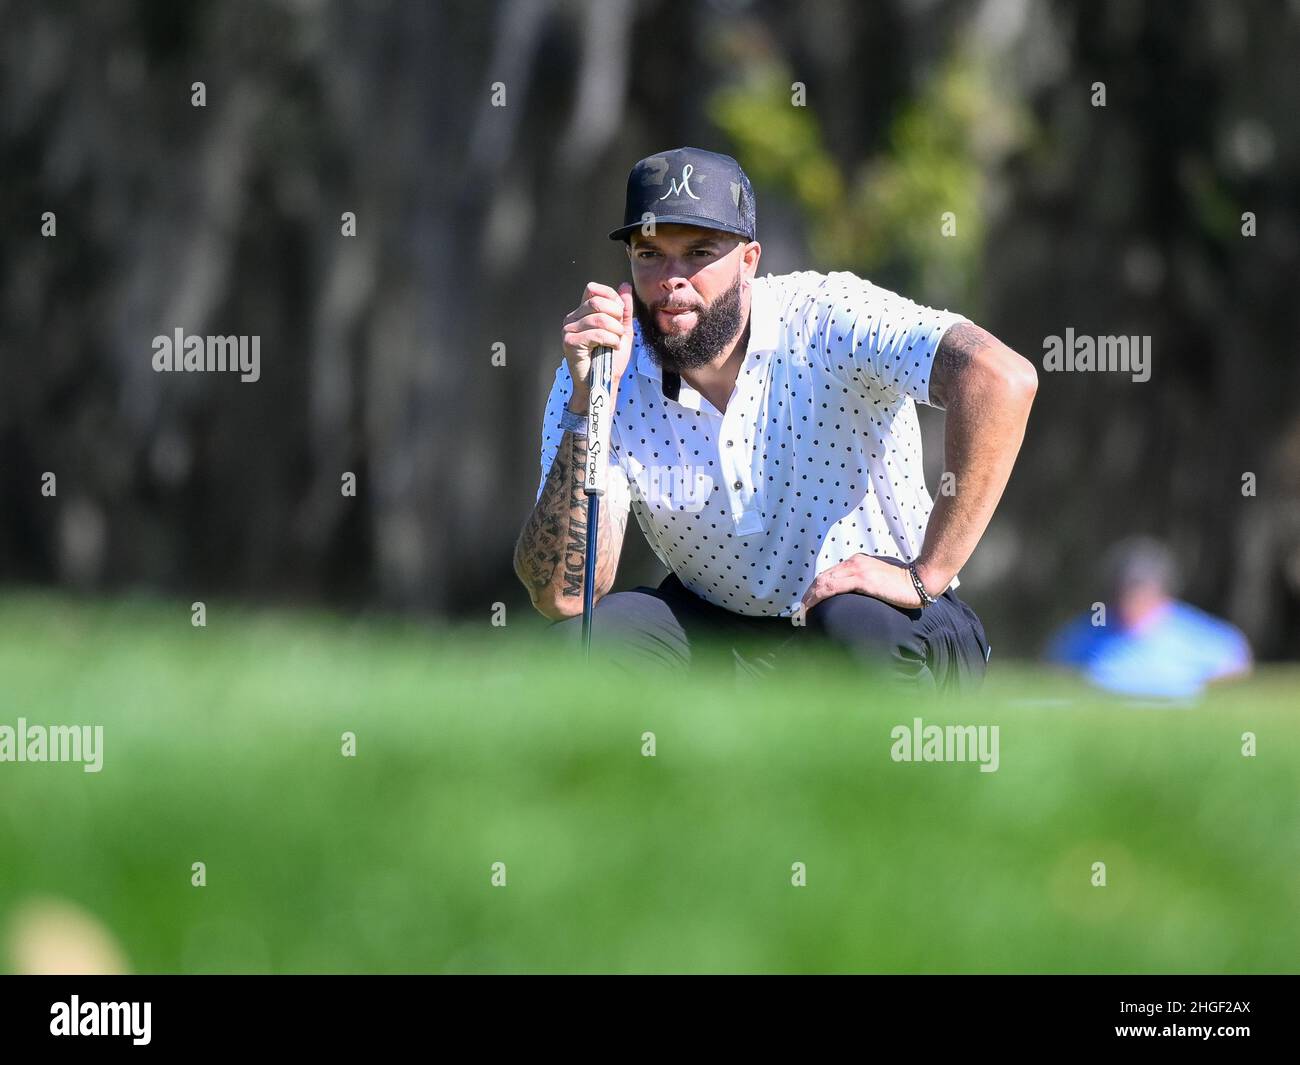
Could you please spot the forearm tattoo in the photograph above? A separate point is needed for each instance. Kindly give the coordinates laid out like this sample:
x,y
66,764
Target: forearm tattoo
x,y
542,543
554,539
610,542
575,547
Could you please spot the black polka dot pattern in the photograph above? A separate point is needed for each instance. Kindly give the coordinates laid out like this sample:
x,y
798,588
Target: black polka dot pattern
x,y
816,458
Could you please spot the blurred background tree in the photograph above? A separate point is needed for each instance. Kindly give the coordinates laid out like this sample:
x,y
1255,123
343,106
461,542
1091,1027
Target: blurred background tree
x,y
478,225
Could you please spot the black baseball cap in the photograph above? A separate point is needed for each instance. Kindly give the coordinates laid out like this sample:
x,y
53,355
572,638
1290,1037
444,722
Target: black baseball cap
x,y
690,186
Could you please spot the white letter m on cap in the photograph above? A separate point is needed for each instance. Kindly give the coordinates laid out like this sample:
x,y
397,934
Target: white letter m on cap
x,y
676,190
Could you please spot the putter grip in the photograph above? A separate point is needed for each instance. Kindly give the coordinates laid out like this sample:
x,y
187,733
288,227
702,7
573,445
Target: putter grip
x,y
599,416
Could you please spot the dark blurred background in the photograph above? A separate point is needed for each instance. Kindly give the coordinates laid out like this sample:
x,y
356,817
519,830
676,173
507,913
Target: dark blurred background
x,y
478,226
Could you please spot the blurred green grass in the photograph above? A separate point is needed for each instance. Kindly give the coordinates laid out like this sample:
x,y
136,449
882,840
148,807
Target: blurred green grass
x,y
222,745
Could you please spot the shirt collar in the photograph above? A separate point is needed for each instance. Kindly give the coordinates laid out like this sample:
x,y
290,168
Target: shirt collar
x,y
762,330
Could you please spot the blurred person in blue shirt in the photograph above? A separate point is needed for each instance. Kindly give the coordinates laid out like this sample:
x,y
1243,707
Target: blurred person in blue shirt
x,y
1146,642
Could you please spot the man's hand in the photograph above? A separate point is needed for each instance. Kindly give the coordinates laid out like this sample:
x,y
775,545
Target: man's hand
x,y
885,579
602,319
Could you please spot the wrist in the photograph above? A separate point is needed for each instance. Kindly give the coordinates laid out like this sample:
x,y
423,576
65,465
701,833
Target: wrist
x,y
934,583
578,401
919,589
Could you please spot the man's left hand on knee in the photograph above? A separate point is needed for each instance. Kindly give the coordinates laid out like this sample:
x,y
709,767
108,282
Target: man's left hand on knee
x,y
886,579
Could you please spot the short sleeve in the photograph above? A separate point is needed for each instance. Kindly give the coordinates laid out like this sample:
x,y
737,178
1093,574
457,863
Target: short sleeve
x,y
617,494
1223,647
877,339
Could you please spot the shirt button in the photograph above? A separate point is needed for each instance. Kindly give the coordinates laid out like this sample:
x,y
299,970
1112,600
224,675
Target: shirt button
x,y
737,486
728,443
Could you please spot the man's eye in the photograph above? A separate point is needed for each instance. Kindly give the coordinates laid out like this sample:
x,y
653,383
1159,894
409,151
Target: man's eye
x,y
645,254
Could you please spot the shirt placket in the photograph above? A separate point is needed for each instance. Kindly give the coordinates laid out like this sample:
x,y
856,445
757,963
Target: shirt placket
x,y
734,459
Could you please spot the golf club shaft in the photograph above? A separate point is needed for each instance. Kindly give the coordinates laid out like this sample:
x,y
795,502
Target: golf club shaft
x,y
589,575
599,416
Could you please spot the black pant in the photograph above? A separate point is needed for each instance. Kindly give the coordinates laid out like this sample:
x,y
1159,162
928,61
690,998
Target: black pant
x,y
942,647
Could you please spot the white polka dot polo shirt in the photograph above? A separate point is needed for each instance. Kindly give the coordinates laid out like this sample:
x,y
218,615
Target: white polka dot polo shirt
x,y
816,458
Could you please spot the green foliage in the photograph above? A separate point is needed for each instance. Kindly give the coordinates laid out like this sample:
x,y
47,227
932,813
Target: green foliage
x,y
887,217
780,145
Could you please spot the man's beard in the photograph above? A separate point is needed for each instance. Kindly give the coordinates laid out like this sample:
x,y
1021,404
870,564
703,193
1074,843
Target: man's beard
x,y
715,327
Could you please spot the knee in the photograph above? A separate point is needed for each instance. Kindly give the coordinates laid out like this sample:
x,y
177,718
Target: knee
x,y
631,630
617,618
854,611
868,627
565,628
607,608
